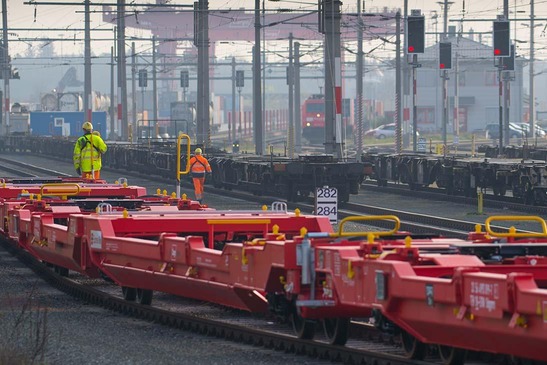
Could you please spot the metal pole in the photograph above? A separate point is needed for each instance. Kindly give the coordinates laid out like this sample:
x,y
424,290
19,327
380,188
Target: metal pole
x,y
263,50
203,96
414,102
232,125
445,18
6,65
398,109
291,97
504,84
333,78
505,75
154,82
142,114
406,75
133,91
122,74
88,103
297,103
239,129
257,90
445,107
445,78
112,96
456,99
500,102
359,81
532,101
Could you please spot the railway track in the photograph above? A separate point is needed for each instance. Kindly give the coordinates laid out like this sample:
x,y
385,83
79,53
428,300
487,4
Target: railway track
x,y
246,328
489,200
366,345
221,322
410,221
21,169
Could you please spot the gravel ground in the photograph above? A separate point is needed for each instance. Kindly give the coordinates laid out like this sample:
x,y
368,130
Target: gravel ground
x,y
72,332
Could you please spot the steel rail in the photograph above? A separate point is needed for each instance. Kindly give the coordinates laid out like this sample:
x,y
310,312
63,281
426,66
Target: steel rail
x,y
411,222
439,194
205,326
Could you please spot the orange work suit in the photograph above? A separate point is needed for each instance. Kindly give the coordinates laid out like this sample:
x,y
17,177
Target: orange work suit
x,y
199,166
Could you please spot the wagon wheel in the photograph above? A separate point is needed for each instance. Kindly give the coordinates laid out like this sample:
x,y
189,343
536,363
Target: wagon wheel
x,y
344,196
129,294
502,190
303,328
413,348
470,192
539,196
528,196
451,355
292,192
336,330
144,296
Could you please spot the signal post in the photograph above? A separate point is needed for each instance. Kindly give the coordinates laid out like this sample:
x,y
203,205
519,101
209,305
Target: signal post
x,y
502,48
445,64
416,44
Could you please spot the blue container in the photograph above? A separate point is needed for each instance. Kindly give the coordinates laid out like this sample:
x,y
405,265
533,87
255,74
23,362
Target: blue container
x,y
66,124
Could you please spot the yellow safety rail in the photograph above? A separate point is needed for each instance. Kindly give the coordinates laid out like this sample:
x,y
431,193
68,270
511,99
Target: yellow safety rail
x,y
62,189
512,232
187,169
393,218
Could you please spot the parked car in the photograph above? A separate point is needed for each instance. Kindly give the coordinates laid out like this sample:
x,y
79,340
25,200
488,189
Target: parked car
x,y
540,133
493,131
383,131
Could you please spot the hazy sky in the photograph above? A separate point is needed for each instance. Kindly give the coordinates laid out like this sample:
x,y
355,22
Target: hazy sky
x,y
58,16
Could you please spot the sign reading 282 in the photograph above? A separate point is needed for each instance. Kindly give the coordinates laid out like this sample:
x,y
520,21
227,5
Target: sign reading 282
x,y
326,203
327,193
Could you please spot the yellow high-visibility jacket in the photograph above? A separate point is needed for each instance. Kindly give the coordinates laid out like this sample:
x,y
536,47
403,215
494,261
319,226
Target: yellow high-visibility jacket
x,y
84,152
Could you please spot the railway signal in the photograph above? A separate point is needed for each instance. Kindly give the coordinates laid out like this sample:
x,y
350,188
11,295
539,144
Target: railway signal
x,y
184,79
416,34
502,41
508,63
143,78
445,55
240,78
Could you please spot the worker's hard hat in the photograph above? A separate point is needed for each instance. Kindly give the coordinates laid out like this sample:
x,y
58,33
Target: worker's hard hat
x,y
96,133
87,126
198,151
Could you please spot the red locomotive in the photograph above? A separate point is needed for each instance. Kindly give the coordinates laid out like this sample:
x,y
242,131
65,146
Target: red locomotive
x,y
313,118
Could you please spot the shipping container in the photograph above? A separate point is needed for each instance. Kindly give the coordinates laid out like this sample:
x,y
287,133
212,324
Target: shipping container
x,y
66,124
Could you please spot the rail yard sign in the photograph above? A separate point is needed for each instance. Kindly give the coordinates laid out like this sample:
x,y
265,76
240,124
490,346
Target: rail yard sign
x,y
326,203
422,144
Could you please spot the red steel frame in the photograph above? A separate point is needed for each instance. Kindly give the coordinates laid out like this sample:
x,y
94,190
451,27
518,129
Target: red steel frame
x,y
453,300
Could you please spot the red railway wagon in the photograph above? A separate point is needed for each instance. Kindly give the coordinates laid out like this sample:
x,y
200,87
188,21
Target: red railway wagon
x,y
73,189
15,192
21,199
64,237
332,277
308,277
455,301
